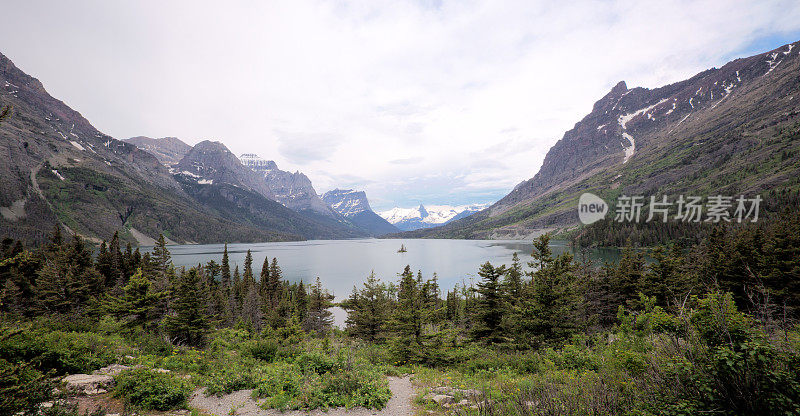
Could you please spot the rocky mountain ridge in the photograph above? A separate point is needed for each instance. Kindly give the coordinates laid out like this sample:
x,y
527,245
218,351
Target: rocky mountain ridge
x,y
354,206
718,131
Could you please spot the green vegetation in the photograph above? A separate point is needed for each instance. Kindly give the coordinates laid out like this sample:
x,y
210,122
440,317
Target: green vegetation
x,y
709,329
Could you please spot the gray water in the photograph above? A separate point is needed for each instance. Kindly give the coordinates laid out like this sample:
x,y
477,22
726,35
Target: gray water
x,y
341,264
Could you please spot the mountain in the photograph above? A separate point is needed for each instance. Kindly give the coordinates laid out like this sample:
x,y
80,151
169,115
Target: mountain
x,y
730,130
354,206
408,219
216,178
291,189
211,161
57,169
168,150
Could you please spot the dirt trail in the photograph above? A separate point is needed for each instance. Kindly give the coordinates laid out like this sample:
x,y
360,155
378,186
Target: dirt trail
x,y
240,401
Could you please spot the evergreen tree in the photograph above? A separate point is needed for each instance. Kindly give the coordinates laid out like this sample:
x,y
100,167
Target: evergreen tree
x,y
137,306
301,303
408,318
68,280
188,324
263,282
225,270
247,277
368,310
320,318
512,283
237,296
252,316
549,312
489,308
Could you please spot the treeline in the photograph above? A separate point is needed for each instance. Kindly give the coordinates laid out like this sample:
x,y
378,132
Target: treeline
x,y
758,264
62,279
610,233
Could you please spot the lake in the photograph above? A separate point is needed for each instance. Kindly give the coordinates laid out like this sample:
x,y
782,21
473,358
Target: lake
x,y
340,264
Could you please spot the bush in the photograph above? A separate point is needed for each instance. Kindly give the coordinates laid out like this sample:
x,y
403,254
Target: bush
x,y
22,388
150,390
265,350
287,386
62,352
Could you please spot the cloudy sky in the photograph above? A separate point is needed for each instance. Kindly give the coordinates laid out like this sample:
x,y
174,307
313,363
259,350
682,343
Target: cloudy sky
x,y
436,102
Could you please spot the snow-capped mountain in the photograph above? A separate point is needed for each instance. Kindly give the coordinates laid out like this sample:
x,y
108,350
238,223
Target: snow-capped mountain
x,y
408,219
354,206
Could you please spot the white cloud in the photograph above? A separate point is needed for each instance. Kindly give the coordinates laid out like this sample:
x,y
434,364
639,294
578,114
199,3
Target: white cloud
x,y
426,101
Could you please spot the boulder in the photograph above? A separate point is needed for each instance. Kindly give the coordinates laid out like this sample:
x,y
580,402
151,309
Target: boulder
x,y
442,399
88,384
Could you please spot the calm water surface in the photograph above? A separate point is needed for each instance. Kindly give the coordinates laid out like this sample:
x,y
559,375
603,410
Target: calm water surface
x,y
341,264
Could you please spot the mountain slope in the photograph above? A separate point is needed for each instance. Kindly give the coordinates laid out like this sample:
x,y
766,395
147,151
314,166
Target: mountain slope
x,y
216,178
354,206
168,150
726,130
291,189
58,169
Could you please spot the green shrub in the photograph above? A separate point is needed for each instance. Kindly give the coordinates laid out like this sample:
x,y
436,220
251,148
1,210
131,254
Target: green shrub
x,y
265,350
62,352
288,386
151,390
22,388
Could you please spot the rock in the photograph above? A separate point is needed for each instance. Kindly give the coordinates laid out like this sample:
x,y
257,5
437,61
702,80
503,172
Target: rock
x,y
88,384
442,390
442,399
112,370
468,392
161,370
463,402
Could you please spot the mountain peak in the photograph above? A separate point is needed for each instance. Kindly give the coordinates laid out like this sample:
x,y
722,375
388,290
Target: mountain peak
x,y
168,150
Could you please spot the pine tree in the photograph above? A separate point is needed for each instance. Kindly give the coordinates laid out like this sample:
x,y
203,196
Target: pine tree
x,y
408,319
512,283
274,283
68,279
137,304
162,263
252,316
225,271
549,312
236,297
301,303
320,318
188,324
247,277
368,310
489,309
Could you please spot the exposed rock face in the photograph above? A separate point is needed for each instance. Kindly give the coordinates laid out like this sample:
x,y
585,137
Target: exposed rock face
x,y
210,162
700,133
54,160
293,190
88,384
354,206
168,150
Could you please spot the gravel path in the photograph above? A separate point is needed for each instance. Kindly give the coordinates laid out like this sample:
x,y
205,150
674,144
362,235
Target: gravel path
x,y
243,405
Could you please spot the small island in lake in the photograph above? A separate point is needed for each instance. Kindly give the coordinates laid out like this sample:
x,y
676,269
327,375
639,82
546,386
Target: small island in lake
x,y
402,249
